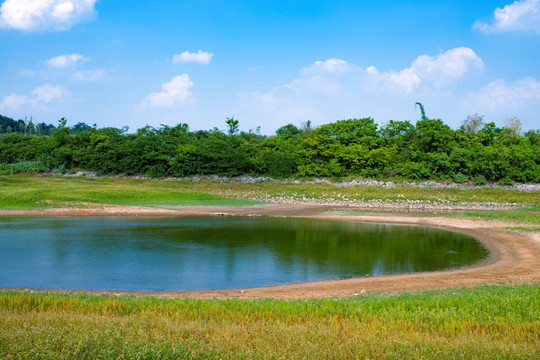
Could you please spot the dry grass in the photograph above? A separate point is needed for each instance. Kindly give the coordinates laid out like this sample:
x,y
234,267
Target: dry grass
x,y
495,322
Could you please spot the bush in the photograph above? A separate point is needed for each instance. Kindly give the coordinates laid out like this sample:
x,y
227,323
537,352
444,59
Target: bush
x,y
32,167
479,180
505,181
460,178
61,169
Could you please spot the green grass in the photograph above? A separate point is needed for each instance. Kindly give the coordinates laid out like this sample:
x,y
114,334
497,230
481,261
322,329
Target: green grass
x,y
495,322
324,191
35,192
533,208
514,216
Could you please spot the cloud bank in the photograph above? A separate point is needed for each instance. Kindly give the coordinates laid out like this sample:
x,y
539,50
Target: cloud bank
x,y
45,15
43,94
499,95
522,15
339,77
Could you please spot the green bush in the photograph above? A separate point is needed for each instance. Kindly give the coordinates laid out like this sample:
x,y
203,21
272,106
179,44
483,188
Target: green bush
x,y
479,180
505,181
32,167
460,178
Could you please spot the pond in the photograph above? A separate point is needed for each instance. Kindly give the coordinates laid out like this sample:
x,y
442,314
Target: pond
x,y
198,253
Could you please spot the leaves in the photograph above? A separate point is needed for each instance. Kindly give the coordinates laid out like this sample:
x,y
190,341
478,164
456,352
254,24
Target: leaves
x,y
353,147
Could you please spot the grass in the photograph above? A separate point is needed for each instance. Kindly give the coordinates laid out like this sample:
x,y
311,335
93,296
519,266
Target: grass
x,y
34,192
323,191
495,322
518,216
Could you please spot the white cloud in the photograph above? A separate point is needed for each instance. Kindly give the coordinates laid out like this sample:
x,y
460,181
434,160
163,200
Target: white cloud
x,y
173,92
429,70
200,57
45,15
67,60
89,75
14,101
403,81
329,66
446,67
335,88
337,76
498,95
48,92
522,15
43,94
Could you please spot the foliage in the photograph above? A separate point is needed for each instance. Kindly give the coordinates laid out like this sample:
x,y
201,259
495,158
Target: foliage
x,y
429,149
422,111
479,180
30,167
472,124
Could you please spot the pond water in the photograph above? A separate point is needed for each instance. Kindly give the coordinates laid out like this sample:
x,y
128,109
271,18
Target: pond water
x,y
197,253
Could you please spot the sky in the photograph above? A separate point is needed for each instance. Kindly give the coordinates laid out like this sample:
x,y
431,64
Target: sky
x,y
268,63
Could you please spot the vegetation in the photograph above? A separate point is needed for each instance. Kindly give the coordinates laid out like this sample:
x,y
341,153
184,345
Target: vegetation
x,y
8,126
477,152
484,322
27,192
36,192
495,322
516,216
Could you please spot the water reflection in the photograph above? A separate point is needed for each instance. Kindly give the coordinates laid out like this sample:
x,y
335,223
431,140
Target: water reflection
x,y
127,253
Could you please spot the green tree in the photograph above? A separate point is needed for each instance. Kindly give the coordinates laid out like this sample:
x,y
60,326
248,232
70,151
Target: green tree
x,y
233,126
422,111
287,131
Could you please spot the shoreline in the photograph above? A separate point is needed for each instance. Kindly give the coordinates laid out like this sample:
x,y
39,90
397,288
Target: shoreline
x,y
513,256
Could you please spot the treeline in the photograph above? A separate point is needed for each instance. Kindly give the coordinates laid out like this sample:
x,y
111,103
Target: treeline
x,y
476,152
8,125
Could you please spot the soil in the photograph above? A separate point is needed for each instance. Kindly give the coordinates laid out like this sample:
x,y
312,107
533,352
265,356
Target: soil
x,y
514,255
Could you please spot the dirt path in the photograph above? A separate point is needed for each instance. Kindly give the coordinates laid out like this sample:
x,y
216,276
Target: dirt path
x,y
514,256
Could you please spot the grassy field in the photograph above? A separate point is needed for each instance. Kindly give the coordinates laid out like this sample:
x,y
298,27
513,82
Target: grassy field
x,y
38,192
32,192
487,322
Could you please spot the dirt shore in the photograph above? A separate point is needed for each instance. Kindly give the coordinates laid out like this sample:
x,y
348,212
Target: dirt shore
x,y
514,256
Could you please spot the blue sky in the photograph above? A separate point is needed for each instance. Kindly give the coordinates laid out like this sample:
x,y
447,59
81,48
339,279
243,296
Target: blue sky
x,y
268,63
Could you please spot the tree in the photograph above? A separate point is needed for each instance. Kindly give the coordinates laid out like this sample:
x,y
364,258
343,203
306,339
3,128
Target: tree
x,y
62,123
472,124
22,127
31,127
513,124
424,117
287,131
79,128
233,126
306,127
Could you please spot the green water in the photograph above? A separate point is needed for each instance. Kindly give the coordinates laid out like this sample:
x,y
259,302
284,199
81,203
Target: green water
x,y
196,253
